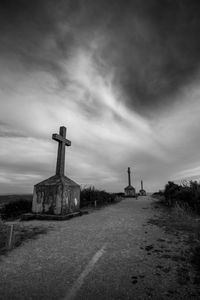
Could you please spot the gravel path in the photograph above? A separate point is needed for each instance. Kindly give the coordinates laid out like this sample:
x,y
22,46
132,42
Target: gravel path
x,y
112,253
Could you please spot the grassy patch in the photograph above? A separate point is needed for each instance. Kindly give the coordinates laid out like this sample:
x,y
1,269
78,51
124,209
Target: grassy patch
x,y
173,219
186,225
21,233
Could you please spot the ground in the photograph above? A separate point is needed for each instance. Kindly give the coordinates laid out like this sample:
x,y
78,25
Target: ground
x,y
118,252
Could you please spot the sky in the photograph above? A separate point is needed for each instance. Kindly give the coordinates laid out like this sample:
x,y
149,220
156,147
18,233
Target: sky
x,y
122,76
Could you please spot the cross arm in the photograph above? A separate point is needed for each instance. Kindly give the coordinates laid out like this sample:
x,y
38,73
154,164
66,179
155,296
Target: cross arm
x,y
59,138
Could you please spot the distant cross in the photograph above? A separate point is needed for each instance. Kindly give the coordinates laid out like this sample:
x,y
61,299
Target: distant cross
x,y
62,142
129,176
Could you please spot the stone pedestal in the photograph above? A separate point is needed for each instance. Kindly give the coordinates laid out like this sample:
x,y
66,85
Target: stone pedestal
x,y
143,193
129,191
57,195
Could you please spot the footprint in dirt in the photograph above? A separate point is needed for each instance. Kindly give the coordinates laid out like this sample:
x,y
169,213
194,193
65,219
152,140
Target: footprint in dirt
x,y
134,279
170,293
167,256
149,247
157,251
160,240
166,270
159,267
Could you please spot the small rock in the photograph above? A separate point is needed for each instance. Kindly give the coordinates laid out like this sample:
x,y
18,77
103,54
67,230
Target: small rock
x,y
134,281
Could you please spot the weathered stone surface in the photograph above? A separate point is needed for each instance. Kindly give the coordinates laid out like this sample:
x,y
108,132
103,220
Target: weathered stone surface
x,y
130,191
56,195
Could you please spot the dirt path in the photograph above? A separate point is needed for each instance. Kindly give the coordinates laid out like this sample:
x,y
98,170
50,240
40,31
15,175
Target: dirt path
x,y
113,253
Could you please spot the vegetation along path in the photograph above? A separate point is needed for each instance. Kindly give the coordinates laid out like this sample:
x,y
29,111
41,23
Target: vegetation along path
x,y
117,252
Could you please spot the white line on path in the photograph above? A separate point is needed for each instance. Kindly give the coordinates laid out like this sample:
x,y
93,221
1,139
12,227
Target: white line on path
x,y
79,282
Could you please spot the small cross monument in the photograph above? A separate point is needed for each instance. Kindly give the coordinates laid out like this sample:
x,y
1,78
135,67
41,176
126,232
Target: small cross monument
x,y
142,191
129,190
57,195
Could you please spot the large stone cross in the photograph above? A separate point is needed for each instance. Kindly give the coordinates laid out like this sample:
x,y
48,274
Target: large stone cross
x,y
62,142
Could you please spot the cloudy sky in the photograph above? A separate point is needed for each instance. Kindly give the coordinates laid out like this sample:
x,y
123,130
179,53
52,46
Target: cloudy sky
x,y
122,76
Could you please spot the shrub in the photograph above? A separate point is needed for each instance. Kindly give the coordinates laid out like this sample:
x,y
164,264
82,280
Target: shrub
x,y
89,195
170,189
16,208
186,195
183,196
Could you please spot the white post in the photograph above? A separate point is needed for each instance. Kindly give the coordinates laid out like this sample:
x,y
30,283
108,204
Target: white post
x,y
10,237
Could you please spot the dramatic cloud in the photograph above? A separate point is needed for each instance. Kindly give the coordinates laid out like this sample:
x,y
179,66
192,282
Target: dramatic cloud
x,y
123,77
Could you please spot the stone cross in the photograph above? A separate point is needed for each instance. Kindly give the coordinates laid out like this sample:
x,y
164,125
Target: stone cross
x,y
62,142
129,176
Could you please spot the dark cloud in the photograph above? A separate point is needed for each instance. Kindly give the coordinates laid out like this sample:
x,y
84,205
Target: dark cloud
x,y
156,49
153,47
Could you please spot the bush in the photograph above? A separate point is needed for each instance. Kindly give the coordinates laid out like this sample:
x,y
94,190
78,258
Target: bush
x,y
170,189
16,208
89,195
183,196
186,195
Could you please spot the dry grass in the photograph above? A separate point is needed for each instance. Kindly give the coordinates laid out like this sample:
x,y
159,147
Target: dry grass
x,y
183,211
3,237
182,221
20,235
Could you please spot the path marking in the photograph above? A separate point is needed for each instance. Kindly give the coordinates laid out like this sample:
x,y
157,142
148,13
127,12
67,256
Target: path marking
x,y
79,282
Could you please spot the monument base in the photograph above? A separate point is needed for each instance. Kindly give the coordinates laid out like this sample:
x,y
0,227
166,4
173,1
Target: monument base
x,y
143,193
57,195
47,217
130,191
